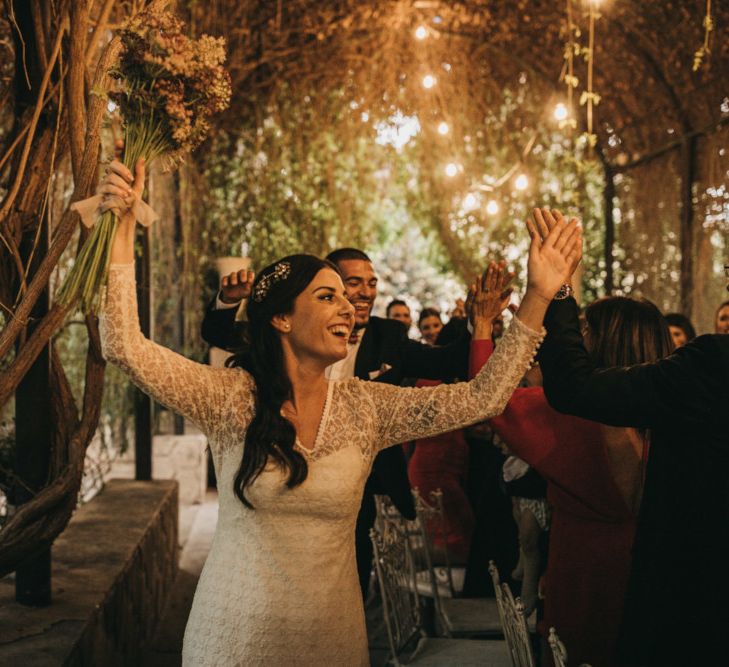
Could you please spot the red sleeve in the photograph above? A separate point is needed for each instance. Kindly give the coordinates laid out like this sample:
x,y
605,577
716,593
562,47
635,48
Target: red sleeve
x,y
529,427
527,423
481,350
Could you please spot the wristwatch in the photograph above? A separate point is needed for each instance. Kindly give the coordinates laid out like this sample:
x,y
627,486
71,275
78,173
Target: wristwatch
x,y
563,292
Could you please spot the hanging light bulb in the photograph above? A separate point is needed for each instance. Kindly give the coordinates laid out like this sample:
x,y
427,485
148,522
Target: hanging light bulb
x,y
492,208
443,128
451,169
428,81
521,182
421,32
560,112
469,202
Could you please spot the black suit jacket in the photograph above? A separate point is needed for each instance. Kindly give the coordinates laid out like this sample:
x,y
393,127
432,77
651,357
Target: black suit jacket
x,y
677,604
219,328
386,343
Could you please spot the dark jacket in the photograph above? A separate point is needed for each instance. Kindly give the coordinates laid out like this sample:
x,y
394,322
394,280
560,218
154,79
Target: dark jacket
x,y
219,328
676,610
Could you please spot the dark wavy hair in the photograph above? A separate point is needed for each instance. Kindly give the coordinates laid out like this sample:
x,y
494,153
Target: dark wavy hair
x,y
623,332
269,434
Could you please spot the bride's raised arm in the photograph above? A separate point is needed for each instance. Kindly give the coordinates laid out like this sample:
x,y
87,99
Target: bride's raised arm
x,y
406,414
210,397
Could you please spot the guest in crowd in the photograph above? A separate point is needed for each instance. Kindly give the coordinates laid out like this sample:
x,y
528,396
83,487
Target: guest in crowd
x,y
676,602
721,319
682,331
528,493
429,325
378,350
398,310
440,463
595,478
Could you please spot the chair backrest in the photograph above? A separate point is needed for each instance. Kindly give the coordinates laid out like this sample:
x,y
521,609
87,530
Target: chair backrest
x,y
396,576
388,516
499,594
513,622
432,519
559,652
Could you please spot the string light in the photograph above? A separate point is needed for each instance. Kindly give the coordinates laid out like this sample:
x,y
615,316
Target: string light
x,y
470,202
443,128
492,208
560,112
421,32
521,182
451,169
428,81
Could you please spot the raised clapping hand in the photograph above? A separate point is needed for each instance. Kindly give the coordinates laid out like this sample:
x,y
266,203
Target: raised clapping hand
x,y
553,255
546,220
236,286
488,297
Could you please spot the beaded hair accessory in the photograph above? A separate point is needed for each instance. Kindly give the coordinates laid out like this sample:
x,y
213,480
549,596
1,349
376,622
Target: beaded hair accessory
x,y
280,272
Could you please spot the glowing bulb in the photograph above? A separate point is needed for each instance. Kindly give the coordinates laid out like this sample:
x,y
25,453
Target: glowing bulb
x,y
443,128
492,208
560,112
421,32
470,202
521,182
428,81
451,169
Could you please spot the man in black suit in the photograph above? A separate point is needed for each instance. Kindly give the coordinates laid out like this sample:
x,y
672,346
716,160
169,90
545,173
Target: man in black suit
x,y
677,603
379,350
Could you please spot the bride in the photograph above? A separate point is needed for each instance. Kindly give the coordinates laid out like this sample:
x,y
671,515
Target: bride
x,y
292,450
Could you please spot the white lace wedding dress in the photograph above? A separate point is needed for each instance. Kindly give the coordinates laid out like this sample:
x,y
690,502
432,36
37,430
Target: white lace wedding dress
x,y
280,583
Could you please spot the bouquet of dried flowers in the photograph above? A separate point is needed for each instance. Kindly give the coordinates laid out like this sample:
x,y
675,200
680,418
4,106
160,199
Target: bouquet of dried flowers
x,y
170,86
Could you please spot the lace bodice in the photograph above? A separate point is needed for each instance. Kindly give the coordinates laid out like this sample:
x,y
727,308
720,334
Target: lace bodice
x,y
280,581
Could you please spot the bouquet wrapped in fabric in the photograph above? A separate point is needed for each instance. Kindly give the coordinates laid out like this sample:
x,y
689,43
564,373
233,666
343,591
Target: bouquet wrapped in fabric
x,y
170,86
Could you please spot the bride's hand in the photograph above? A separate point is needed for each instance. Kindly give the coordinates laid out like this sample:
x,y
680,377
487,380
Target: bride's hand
x,y
120,190
123,194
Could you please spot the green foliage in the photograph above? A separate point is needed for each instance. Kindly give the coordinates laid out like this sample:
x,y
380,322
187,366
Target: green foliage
x,y
117,405
312,172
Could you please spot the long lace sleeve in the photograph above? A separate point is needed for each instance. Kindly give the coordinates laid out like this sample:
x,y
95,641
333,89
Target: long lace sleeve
x,y
210,397
409,413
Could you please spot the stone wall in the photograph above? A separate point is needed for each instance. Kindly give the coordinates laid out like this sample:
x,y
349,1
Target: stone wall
x,y
113,571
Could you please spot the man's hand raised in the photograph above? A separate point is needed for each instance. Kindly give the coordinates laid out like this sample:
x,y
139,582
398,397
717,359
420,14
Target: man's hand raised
x,y
236,286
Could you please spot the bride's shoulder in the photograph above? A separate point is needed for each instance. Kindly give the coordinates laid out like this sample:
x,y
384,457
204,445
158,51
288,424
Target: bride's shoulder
x,y
234,377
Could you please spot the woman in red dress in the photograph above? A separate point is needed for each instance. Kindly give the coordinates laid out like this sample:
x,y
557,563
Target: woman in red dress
x,y
595,481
